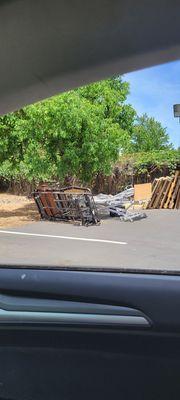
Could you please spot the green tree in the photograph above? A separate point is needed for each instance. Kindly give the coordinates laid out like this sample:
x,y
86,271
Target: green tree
x,y
78,133
148,135
111,95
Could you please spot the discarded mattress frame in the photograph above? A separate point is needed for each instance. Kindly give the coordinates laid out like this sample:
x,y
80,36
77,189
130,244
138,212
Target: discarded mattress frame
x,y
72,203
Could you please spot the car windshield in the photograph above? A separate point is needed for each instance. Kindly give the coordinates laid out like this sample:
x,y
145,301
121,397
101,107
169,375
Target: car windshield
x,y
91,178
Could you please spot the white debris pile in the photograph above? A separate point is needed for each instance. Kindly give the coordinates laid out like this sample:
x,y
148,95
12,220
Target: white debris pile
x,y
114,206
118,200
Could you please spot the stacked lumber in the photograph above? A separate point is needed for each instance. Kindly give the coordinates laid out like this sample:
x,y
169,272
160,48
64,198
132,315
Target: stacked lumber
x,y
166,192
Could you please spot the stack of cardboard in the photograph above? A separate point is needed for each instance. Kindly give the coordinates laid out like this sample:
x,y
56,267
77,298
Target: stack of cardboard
x,y
166,192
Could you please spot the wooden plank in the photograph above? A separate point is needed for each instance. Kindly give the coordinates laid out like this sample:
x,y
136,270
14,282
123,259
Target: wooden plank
x,y
166,205
153,196
160,194
166,191
177,204
154,184
173,195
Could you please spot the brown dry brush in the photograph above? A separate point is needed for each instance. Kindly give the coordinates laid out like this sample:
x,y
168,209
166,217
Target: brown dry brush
x,y
123,175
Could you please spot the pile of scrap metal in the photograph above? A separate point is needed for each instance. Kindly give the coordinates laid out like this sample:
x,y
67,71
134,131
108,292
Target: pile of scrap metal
x,y
115,205
118,200
72,204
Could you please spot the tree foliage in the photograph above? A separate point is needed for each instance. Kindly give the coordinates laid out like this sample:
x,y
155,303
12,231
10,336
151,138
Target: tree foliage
x,y
149,135
148,162
80,133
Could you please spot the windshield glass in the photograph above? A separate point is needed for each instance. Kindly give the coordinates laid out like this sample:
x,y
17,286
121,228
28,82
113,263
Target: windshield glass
x,y
91,178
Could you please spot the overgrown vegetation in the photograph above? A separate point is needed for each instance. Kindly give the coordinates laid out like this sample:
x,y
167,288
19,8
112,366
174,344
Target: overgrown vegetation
x,y
148,162
82,133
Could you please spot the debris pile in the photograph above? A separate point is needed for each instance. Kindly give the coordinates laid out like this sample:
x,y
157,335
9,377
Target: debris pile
x,y
115,206
118,200
68,204
76,204
131,216
126,215
166,192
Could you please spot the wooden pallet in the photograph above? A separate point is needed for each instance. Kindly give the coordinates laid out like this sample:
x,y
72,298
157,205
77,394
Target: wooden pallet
x,y
166,192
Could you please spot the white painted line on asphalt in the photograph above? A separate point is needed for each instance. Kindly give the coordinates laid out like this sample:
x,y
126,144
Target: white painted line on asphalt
x,y
62,237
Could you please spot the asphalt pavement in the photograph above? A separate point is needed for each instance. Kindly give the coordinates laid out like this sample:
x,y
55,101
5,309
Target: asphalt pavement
x,y
151,243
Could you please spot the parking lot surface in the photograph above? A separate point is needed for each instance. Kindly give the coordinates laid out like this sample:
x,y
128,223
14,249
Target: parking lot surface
x,y
151,243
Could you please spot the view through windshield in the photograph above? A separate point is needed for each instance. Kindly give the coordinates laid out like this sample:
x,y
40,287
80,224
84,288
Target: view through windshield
x,y
91,178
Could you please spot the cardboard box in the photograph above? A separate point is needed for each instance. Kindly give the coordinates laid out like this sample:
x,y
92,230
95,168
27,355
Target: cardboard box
x,y
142,191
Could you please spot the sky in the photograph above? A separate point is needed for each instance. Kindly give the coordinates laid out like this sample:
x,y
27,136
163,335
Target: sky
x,y
154,91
